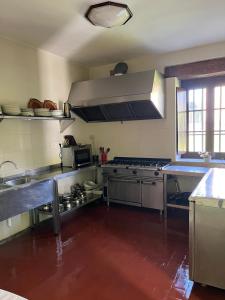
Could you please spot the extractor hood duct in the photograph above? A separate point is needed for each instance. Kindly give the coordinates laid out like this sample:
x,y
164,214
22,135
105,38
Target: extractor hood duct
x,y
135,96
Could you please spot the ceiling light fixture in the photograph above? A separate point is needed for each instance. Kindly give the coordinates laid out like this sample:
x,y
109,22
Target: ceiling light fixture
x,y
108,14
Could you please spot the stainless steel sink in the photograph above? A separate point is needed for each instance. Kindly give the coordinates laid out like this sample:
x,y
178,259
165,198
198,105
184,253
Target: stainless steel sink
x,y
18,181
4,186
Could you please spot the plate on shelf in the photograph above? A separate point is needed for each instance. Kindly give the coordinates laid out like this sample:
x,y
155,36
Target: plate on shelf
x,y
50,105
34,103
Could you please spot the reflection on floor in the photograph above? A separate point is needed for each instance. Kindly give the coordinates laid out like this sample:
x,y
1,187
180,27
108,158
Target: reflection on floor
x,y
104,254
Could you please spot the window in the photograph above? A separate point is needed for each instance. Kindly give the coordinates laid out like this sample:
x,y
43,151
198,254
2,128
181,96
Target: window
x,y
219,119
201,117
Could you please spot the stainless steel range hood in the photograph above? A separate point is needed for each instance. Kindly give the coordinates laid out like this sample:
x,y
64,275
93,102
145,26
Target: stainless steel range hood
x,y
135,96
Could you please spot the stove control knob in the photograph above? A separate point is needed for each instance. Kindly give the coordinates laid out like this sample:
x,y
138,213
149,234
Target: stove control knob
x,y
115,171
156,173
134,172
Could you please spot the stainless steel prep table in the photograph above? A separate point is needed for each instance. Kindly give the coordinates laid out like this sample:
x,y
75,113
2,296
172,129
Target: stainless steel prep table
x,y
40,190
207,230
179,171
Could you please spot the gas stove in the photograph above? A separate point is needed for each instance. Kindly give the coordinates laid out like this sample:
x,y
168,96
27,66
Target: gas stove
x,y
134,181
135,166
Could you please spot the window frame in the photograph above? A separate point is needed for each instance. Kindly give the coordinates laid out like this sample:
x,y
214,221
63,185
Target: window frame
x,y
209,83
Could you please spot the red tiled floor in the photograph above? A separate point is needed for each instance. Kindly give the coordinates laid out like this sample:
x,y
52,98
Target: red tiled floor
x,y
104,254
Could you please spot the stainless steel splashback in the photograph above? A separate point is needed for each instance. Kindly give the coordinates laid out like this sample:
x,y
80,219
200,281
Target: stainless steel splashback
x,y
134,96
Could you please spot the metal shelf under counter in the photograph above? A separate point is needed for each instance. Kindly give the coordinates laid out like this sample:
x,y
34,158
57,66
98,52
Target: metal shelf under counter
x,y
72,209
170,172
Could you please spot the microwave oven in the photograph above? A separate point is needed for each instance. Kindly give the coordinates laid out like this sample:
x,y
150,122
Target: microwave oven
x,y
76,156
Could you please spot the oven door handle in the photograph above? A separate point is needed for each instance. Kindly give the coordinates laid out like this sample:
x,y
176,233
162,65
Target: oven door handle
x,y
152,182
124,180
84,164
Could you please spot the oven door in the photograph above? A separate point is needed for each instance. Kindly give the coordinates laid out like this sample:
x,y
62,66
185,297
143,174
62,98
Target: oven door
x,y
152,194
82,157
124,190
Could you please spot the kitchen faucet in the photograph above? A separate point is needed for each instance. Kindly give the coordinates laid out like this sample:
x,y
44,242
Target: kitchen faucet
x,y
8,162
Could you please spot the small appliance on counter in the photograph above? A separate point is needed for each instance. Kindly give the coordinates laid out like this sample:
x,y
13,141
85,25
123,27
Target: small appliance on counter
x,y
66,110
75,155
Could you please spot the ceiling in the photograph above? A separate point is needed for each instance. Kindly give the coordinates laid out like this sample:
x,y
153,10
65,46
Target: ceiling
x,y
156,27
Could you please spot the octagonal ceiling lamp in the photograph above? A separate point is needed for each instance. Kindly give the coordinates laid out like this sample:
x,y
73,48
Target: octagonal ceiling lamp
x,y
108,14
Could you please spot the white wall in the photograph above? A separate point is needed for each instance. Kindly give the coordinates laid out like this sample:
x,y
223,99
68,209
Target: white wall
x,y
160,61
26,72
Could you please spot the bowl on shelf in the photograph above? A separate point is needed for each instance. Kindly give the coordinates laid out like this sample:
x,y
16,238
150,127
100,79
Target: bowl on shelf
x,y
98,193
57,113
42,112
90,185
11,109
27,112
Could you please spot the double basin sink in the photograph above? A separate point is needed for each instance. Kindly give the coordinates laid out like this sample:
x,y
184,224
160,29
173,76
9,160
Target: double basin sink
x,y
15,182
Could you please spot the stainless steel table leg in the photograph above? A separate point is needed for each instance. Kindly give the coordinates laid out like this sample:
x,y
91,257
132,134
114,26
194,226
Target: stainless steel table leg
x,y
36,216
32,220
55,209
165,195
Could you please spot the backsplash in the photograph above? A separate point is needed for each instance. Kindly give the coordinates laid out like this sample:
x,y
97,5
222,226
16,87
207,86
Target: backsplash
x,y
30,144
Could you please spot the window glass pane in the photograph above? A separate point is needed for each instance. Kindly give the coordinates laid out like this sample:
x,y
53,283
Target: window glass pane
x,y
217,97
204,120
182,141
182,121
191,127
203,145
204,98
216,143
216,119
222,145
191,143
198,99
219,119
181,101
198,143
223,97
190,100
223,119
198,121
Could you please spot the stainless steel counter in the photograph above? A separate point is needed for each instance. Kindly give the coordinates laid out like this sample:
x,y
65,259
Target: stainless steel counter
x,y
185,170
176,170
40,189
211,189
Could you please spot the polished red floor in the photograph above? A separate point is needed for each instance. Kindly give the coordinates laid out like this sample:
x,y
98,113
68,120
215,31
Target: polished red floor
x,y
104,254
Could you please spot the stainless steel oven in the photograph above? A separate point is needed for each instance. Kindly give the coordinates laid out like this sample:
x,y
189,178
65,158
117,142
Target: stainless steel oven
x,y
76,156
125,190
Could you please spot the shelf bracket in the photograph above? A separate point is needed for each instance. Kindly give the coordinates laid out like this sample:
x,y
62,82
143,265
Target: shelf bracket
x,y
64,124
